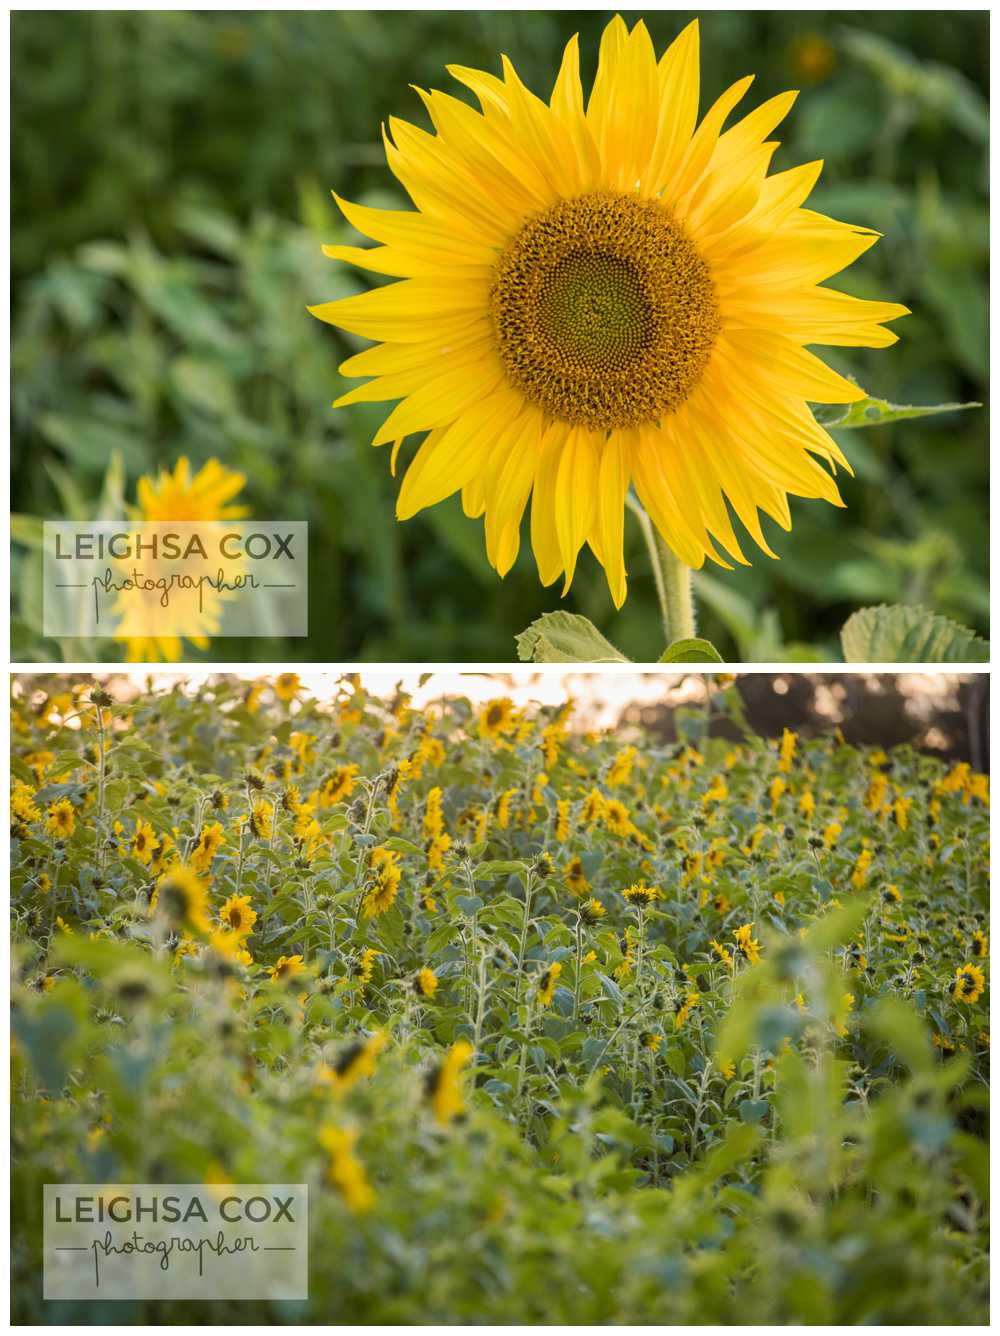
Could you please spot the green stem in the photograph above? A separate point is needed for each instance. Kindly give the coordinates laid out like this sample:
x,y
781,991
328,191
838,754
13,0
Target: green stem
x,y
672,578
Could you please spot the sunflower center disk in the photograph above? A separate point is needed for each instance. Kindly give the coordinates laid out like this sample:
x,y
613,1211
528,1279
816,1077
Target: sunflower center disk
x,y
604,312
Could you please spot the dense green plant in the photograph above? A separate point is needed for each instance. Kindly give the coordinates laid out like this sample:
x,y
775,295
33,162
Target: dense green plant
x,y
166,243
753,1089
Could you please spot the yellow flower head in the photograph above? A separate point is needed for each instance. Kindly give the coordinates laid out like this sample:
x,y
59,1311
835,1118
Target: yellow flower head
x,y
286,968
181,496
61,819
286,686
616,284
592,911
357,1061
238,916
616,817
426,982
562,820
576,878
621,768
385,873
345,1171
365,964
262,819
968,984
593,807
444,1087
722,952
144,842
832,834
684,1008
338,786
547,984
497,718
208,844
181,897
641,895
747,945
786,750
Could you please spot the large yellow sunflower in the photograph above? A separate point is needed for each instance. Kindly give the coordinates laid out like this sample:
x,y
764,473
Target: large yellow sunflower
x,y
604,293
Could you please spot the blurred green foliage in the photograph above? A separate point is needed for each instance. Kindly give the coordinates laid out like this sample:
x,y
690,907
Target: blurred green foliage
x,y
171,172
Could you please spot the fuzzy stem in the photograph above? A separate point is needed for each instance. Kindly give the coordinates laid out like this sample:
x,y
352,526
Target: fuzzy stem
x,y
672,579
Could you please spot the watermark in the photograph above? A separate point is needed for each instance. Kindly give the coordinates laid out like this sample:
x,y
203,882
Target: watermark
x,y
176,1240
131,579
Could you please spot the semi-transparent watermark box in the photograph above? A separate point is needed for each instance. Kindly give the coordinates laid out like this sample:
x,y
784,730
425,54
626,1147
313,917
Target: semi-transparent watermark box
x,y
176,1241
131,579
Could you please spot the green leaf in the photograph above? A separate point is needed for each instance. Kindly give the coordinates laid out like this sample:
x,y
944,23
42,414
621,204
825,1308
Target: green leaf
x,y
909,634
565,637
692,650
869,412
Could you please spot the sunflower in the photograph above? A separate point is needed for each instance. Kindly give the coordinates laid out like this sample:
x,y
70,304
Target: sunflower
x,y
345,1171
358,1060
968,984
182,898
641,895
262,819
180,495
61,819
498,718
144,842
285,969
238,915
547,984
592,911
599,294
208,844
338,786
444,1083
426,982
381,892
684,1008
575,876
286,686
747,944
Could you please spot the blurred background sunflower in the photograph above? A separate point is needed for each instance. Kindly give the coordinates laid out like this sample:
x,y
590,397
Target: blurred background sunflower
x,y
171,174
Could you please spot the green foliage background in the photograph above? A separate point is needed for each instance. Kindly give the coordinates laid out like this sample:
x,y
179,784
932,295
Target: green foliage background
x,y
171,175
777,1152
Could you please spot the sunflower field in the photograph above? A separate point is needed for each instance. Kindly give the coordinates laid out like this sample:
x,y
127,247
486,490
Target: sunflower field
x,y
559,1028
173,173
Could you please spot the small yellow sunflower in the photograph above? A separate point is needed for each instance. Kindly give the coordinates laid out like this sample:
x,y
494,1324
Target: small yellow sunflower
x,y
61,819
144,842
381,892
238,915
498,717
286,968
426,982
968,984
286,686
604,293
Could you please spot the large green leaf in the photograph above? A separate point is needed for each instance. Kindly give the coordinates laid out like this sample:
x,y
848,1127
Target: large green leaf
x,y
869,412
909,634
565,637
